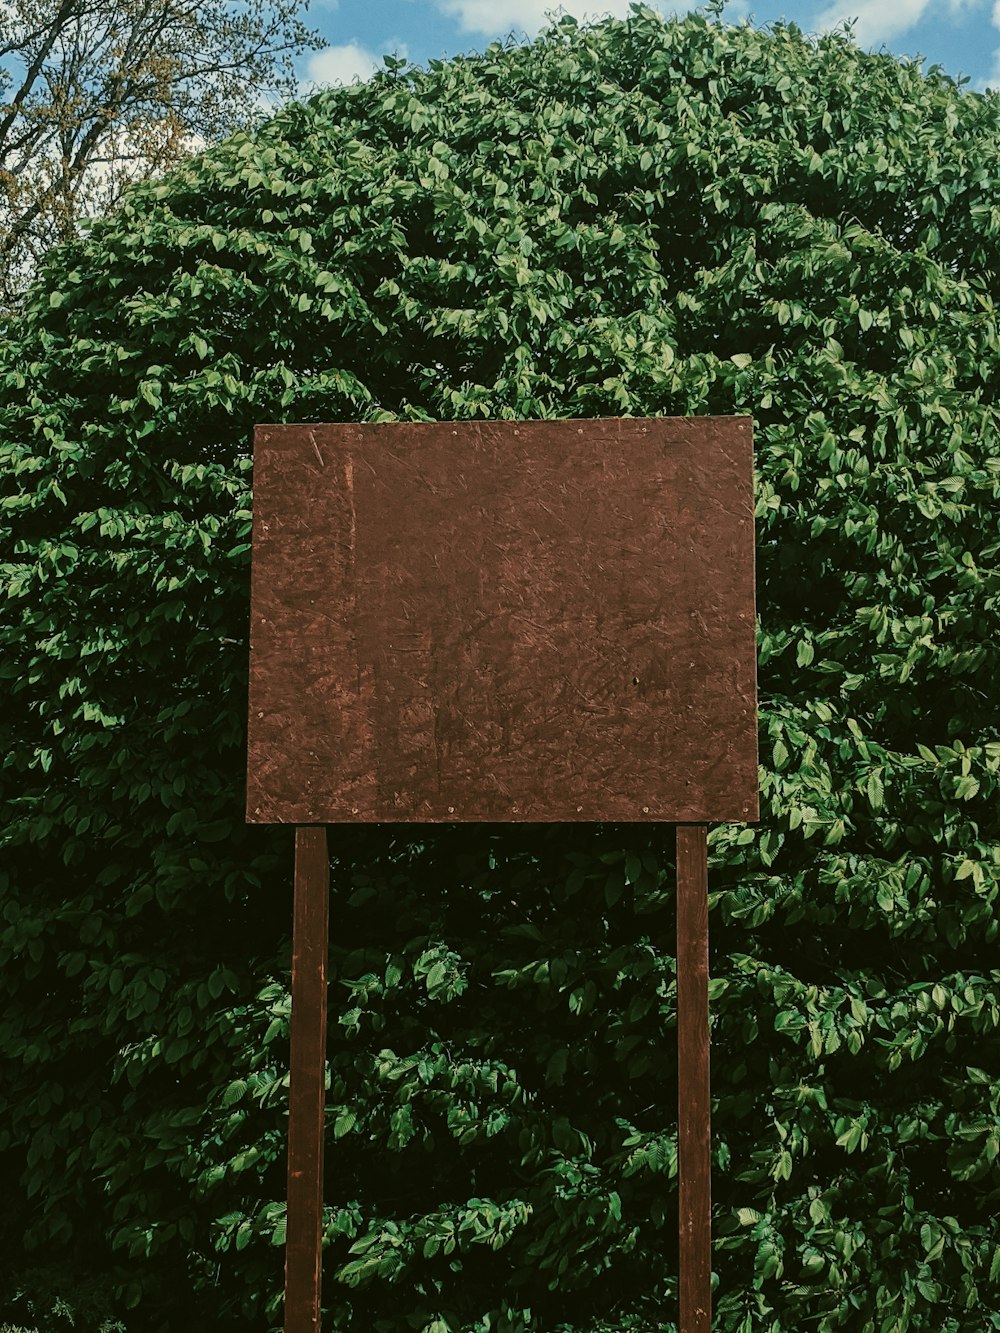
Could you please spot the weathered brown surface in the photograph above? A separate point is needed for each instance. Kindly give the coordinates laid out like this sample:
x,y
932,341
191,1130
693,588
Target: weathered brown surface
x,y
306,1096
503,621
694,1089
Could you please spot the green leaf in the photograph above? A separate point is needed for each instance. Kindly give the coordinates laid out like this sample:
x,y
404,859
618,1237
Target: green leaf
x,y
345,1121
234,1092
216,831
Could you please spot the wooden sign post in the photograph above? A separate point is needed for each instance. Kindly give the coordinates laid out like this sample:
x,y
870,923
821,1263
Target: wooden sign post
x,y
502,621
694,1096
306,1102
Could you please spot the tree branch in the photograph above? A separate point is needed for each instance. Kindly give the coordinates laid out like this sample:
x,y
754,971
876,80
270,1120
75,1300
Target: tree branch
x,y
63,14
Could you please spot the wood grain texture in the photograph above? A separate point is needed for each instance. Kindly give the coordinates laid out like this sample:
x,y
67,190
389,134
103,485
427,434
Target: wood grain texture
x,y
694,1082
306,1096
503,621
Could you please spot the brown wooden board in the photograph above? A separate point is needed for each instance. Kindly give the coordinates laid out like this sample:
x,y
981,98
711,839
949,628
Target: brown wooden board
x,y
503,621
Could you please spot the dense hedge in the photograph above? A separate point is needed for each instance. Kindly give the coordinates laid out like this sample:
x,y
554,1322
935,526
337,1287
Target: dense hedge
x,y
641,217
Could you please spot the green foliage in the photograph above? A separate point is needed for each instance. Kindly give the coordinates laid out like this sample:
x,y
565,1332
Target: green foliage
x,y
641,217
52,1298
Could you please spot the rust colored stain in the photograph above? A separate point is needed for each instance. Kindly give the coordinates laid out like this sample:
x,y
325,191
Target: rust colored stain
x,y
503,621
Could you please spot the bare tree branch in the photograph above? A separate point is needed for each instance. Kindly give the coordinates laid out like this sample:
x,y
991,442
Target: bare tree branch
x,y
94,93
61,17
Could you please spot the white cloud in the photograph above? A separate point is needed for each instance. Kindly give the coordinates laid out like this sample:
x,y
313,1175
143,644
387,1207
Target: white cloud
x,y
498,17
341,64
877,21
992,80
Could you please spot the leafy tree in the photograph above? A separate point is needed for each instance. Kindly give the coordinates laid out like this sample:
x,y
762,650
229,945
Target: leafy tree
x,y
639,217
98,92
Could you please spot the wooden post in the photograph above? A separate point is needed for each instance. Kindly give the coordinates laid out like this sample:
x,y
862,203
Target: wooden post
x,y
694,1104
310,941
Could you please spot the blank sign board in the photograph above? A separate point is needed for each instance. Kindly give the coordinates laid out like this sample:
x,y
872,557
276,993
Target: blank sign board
x,y
503,621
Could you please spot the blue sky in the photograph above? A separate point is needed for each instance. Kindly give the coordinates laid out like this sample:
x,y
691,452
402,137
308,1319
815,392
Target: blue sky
x,y
961,35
